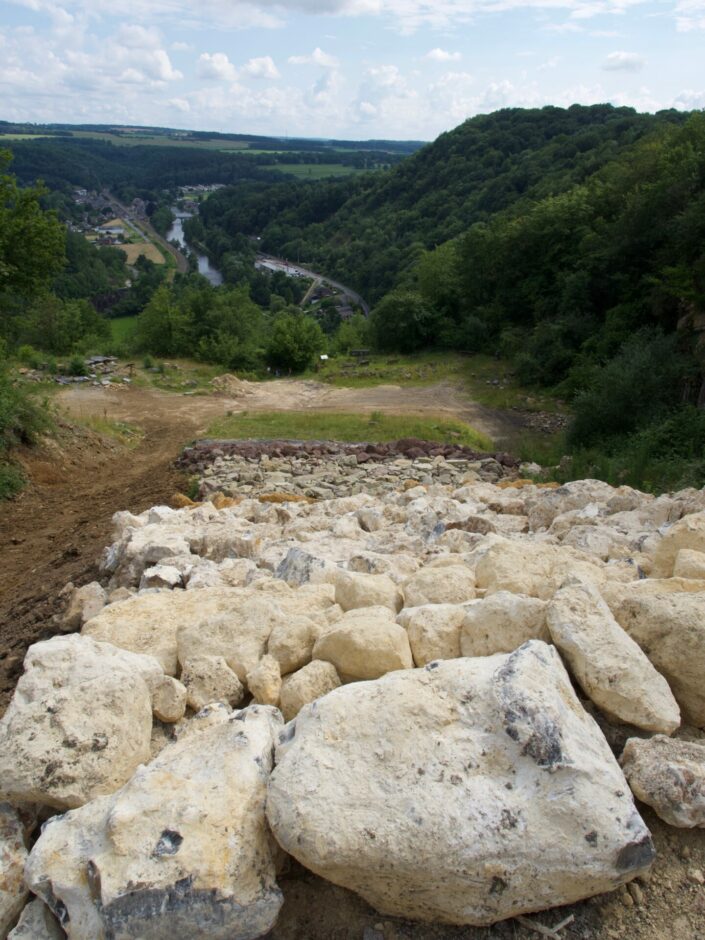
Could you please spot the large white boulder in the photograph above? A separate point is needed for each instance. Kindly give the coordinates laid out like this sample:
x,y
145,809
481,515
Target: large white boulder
x,y
209,679
182,850
314,680
688,532
365,644
465,792
353,590
670,628
79,722
451,584
610,667
13,855
501,623
83,604
689,564
434,631
669,776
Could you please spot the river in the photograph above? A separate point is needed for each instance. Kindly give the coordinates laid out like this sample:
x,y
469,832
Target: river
x,y
176,233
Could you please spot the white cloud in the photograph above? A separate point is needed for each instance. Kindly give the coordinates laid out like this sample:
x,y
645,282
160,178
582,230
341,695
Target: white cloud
x,y
180,104
441,55
317,57
261,67
624,62
216,67
180,47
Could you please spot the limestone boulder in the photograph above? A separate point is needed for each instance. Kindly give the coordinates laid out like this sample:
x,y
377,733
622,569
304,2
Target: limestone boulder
x,y
314,680
13,855
169,700
209,679
433,630
182,850
365,644
265,681
84,603
142,547
37,923
611,668
452,584
670,629
543,506
79,722
689,564
466,792
353,590
291,643
501,623
688,532
669,776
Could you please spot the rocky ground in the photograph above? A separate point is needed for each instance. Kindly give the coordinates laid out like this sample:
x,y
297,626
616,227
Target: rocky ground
x,y
481,649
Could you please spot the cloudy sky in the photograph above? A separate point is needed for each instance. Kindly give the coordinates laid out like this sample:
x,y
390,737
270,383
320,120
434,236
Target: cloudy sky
x,y
341,68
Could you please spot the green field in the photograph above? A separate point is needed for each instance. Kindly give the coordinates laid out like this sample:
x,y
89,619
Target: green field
x,y
313,171
159,140
22,136
122,329
377,428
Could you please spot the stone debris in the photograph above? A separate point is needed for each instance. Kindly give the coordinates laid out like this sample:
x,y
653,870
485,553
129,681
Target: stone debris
x,y
466,792
408,608
669,776
13,855
37,923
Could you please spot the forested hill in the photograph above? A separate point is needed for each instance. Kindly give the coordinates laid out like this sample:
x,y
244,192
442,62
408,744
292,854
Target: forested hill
x,y
368,231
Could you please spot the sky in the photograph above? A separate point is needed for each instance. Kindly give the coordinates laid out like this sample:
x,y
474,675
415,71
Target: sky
x,y
351,69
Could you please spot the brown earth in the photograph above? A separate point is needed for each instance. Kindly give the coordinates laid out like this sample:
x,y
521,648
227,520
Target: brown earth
x,y
55,531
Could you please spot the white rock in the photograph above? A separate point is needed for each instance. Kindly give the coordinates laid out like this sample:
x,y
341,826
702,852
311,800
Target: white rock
x,y
13,854
83,604
688,532
670,628
466,792
291,643
501,622
448,585
37,923
161,576
434,631
209,679
265,681
689,564
79,722
169,700
353,590
610,667
314,680
365,644
182,850
669,776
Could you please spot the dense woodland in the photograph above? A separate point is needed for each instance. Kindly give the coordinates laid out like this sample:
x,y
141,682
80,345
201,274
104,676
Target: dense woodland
x,y
571,242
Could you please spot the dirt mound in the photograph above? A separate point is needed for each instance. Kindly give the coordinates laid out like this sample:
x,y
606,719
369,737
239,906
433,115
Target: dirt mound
x,y
232,386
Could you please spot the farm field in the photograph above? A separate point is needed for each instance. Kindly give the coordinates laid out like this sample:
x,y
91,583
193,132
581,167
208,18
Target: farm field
x,y
145,249
313,171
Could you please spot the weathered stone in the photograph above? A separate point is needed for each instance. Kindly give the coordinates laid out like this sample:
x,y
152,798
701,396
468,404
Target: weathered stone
x,y
434,631
37,923
169,700
466,792
13,854
353,590
670,628
182,850
291,643
610,667
83,604
688,532
265,681
501,622
79,722
453,584
298,567
209,679
314,680
689,564
365,644
669,776
161,576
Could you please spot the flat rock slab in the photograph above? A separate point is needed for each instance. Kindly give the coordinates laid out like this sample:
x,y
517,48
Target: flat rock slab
x,y
466,792
669,776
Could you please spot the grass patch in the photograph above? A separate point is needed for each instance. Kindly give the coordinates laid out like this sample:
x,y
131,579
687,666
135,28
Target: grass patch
x,y
122,329
182,376
129,435
12,479
313,171
487,380
376,428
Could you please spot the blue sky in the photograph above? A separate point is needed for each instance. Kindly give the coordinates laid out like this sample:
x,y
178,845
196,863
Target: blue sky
x,y
341,68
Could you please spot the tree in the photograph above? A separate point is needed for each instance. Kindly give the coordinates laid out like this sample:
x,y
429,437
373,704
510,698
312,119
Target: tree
x,y
294,341
161,328
403,321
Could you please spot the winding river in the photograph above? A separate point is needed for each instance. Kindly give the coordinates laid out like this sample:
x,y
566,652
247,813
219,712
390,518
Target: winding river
x,y
176,233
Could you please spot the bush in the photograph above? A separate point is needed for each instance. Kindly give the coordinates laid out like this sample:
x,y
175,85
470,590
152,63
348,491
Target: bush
x,y
28,355
76,366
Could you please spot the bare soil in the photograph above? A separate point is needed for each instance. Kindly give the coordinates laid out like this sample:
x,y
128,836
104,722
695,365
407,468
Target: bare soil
x,y
54,532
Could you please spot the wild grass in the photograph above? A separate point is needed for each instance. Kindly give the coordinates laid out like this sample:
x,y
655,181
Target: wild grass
x,y
375,428
129,435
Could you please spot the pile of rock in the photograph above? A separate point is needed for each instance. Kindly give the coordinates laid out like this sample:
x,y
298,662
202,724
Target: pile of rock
x,y
394,690
325,469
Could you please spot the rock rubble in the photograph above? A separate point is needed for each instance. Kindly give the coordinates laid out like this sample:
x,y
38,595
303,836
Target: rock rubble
x,y
417,621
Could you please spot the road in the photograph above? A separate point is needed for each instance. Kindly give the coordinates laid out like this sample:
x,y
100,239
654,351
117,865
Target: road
x,y
296,270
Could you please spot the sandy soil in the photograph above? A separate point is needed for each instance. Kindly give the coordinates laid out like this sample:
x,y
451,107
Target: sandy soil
x,y
55,531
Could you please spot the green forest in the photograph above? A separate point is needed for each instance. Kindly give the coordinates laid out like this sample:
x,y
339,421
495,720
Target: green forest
x,y
570,242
